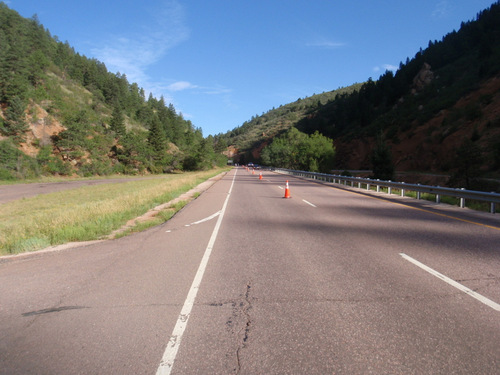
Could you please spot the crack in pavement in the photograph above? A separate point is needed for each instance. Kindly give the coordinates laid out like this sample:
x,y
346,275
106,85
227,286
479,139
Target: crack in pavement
x,y
238,324
244,306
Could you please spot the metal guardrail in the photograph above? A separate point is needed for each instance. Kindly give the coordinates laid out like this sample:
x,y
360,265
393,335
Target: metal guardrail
x,y
462,194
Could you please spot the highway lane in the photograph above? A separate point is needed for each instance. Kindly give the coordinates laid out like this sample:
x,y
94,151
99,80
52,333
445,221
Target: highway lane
x,y
105,308
293,288
313,284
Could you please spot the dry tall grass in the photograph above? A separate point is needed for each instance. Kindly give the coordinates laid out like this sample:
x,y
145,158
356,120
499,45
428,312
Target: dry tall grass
x,y
86,213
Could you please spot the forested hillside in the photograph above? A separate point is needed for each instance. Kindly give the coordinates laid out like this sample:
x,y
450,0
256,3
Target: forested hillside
x,y
63,113
439,112
246,141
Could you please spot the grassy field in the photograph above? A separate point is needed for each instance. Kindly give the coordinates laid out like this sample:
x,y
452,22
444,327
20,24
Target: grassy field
x,y
91,212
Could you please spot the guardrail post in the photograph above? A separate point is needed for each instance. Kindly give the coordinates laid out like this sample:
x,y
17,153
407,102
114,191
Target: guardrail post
x,y
462,194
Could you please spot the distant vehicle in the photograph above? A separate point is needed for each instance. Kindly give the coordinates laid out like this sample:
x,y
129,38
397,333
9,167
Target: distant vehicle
x,y
250,165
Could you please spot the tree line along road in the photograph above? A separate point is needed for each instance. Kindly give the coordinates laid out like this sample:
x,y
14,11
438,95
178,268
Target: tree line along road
x,y
243,281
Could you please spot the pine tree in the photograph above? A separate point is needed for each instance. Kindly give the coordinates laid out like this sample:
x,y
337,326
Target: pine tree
x,y
117,123
156,137
15,120
468,163
381,158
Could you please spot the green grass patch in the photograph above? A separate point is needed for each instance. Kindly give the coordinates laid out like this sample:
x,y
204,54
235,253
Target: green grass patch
x,y
88,213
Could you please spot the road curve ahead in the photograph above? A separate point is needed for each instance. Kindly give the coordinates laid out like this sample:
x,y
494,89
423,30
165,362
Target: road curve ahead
x,y
244,281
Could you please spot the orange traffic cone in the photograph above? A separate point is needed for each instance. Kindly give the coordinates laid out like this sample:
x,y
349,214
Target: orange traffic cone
x,y
253,171
260,176
287,191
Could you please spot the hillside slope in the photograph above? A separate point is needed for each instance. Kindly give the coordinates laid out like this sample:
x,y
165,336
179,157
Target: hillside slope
x,y
63,113
431,146
437,107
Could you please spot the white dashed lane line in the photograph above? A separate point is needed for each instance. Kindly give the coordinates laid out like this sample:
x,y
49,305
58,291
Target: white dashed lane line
x,y
453,283
309,203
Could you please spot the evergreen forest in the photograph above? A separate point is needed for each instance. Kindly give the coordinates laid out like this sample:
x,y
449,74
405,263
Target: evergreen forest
x,y
65,114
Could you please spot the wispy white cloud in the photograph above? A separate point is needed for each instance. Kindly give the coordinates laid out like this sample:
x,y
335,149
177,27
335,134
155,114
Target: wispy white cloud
x,y
134,54
390,67
207,90
442,9
180,86
216,90
385,67
324,43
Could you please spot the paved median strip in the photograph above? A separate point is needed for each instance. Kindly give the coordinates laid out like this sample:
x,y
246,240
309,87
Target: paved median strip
x,y
453,283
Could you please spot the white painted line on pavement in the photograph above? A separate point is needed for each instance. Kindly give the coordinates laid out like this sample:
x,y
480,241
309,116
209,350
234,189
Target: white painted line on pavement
x,y
459,286
167,361
205,219
309,203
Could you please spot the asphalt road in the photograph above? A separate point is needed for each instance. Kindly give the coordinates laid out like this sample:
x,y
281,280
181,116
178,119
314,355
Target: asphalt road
x,y
243,281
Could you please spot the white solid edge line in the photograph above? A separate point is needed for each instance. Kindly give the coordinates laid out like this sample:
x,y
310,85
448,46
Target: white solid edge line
x,y
459,286
167,361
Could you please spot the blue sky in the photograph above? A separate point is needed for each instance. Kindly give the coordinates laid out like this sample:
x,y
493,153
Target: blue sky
x,y
220,62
